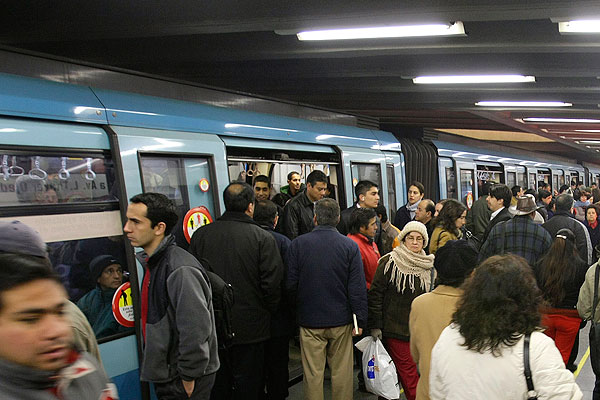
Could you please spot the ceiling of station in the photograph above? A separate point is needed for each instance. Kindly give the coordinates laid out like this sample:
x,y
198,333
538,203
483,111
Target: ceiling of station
x,y
251,46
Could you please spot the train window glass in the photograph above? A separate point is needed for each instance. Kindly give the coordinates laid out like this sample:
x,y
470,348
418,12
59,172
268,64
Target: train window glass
x,y
521,177
187,181
511,179
450,183
363,171
544,175
391,183
555,184
28,179
491,174
75,248
532,180
466,186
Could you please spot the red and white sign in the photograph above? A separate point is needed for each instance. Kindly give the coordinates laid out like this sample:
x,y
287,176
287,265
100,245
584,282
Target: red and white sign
x,y
194,219
122,305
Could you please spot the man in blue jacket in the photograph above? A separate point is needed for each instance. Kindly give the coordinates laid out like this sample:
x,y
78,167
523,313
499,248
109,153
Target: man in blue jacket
x,y
326,281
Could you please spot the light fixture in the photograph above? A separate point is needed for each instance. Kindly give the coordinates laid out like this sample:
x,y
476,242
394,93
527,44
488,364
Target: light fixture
x,y
579,26
522,104
458,79
591,141
565,120
452,29
588,130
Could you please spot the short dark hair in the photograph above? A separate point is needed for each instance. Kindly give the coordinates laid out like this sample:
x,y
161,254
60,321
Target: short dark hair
x,y
327,211
418,185
262,178
429,206
265,212
363,187
291,174
316,176
360,218
237,196
543,193
500,303
485,189
515,190
501,191
19,269
563,188
564,202
381,210
160,209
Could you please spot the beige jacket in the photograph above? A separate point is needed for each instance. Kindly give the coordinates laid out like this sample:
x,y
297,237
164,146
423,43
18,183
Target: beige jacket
x,y
586,296
439,237
429,315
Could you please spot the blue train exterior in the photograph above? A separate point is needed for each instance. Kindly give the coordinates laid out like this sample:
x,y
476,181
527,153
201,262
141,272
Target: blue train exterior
x,y
114,145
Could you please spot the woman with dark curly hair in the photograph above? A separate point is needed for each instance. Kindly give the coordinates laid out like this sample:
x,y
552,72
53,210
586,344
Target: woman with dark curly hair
x,y
480,355
448,224
560,274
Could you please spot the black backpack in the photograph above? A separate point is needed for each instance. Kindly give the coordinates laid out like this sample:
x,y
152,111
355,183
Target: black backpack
x,y
222,297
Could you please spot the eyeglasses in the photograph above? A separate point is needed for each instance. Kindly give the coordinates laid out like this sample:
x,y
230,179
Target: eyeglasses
x,y
418,239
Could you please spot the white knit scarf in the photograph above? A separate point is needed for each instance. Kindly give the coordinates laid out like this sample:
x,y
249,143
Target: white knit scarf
x,y
406,264
412,209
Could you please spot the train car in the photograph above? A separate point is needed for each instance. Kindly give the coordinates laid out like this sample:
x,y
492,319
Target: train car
x,y
72,156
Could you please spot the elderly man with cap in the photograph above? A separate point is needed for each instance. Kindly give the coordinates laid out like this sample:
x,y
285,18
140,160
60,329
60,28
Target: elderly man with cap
x,y
37,356
520,235
97,303
432,312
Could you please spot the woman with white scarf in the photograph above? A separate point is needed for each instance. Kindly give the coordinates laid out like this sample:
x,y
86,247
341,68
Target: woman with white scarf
x,y
401,275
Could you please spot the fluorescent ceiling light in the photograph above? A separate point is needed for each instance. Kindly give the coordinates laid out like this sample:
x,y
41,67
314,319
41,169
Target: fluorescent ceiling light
x,y
580,26
522,104
472,79
591,141
588,130
567,120
456,28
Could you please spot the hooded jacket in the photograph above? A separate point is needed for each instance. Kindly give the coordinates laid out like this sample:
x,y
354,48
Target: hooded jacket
x,y
181,340
563,219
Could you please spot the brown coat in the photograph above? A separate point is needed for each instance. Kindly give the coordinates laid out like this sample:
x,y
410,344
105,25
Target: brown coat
x,y
439,238
429,315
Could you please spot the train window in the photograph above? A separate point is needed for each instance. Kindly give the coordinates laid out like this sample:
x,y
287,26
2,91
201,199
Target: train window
x,y
391,183
488,173
532,180
555,179
362,172
450,183
511,179
185,180
55,178
521,177
466,186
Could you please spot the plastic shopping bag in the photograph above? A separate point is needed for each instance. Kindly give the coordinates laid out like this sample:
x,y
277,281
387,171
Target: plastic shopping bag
x,y
378,368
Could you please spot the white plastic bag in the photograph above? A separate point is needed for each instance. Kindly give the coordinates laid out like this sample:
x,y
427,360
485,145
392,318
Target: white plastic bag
x,y
378,369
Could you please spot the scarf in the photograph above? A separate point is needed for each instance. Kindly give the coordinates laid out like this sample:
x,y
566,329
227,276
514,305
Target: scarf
x,y
405,265
412,209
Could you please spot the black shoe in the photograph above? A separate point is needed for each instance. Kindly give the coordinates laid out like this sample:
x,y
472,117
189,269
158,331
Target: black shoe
x,y
572,367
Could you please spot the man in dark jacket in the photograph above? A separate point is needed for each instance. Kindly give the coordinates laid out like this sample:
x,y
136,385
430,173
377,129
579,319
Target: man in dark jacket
x,y
282,324
478,217
327,283
298,213
406,213
367,196
498,202
177,317
246,257
563,218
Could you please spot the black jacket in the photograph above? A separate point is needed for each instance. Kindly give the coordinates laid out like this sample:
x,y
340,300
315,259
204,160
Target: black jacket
x,y
502,216
402,217
245,256
562,219
298,216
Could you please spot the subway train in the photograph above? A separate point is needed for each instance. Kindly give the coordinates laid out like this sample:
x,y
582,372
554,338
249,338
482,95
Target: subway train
x,y
73,155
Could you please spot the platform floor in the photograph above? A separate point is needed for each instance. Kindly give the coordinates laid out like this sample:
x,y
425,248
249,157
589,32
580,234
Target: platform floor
x,y
584,376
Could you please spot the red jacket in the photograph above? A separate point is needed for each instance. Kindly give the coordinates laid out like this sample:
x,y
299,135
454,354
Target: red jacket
x,y
369,254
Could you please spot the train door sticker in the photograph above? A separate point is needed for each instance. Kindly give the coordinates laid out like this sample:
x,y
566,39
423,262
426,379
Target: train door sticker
x,y
122,305
194,219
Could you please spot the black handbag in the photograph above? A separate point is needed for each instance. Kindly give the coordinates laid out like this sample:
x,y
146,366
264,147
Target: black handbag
x,y
531,393
595,328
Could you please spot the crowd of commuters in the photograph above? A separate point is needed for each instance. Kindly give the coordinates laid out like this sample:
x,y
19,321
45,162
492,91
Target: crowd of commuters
x,y
454,294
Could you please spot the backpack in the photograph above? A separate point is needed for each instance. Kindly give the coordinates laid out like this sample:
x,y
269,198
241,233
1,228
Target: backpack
x,y
222,297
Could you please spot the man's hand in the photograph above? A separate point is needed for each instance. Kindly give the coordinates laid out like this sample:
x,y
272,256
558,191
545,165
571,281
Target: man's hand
x,y
354,333
189,387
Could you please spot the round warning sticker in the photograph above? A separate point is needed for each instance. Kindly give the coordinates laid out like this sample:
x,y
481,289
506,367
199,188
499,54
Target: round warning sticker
x,y
194,219
204,185
122,305
469,200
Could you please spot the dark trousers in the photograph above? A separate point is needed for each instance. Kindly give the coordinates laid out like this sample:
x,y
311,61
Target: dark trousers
x,y
277,374
241,374
174,390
